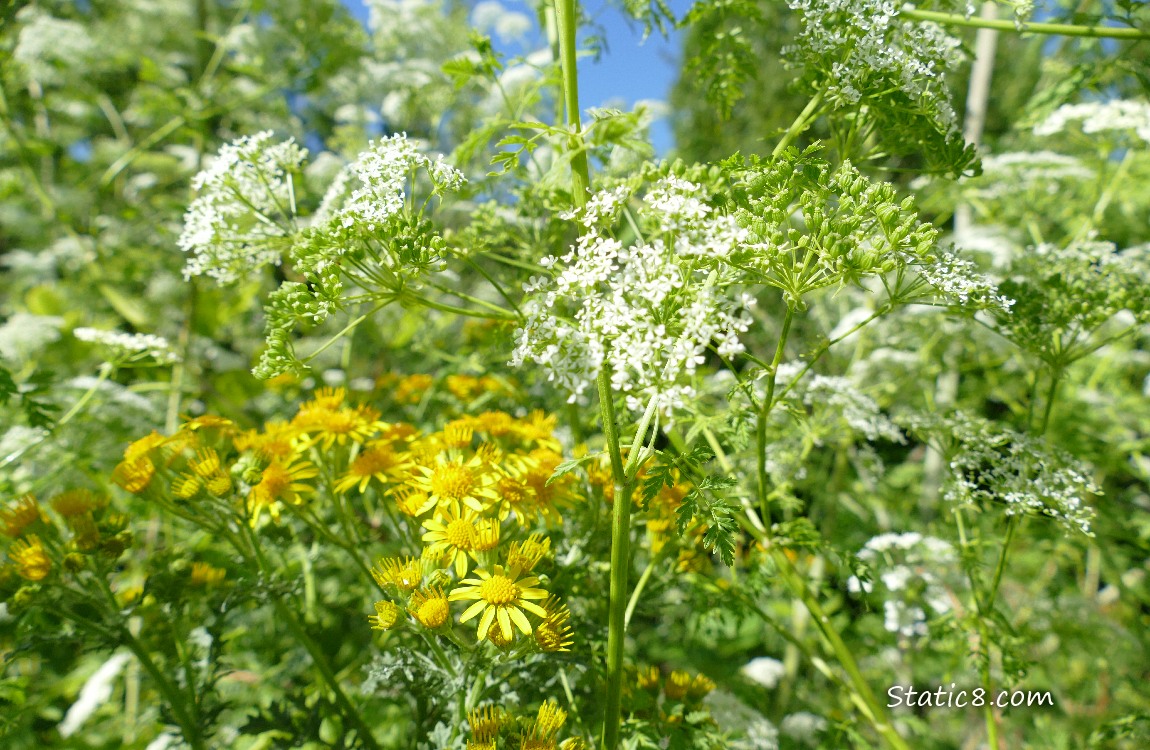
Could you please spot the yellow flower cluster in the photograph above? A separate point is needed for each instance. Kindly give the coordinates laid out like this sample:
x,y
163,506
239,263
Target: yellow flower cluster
x,y
492,728
472,492
668,698
81,524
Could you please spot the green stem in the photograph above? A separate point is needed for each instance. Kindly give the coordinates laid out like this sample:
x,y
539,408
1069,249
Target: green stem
x,y
809,114
566,16
764,414
620,563
188,726
1059,29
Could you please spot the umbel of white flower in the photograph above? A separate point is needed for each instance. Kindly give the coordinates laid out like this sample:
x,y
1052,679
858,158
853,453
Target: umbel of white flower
x,y
244,213
647,311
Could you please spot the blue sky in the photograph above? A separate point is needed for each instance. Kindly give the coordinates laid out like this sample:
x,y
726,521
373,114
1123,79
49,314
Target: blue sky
x,y
630,67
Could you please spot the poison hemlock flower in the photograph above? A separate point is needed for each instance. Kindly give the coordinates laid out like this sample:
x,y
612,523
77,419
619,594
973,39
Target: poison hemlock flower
x,y
647,312
129,345
991,465
244,214
1098,117
912,572
861,54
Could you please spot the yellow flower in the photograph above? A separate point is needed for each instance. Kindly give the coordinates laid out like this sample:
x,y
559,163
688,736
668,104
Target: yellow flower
x,y
134,475
335,424
526,555
206,575
452,535
699,687
405,573
449,480
548,721
186,486
280,482
378,461
648,679
429,607
554,633
677,684
76,503
412,503
485,723
411,389
144,446
386,616
31,560
19,516
458,434
501,596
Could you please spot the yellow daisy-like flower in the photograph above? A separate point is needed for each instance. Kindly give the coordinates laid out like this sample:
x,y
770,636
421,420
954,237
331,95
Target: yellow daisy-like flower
x,y
186,486
330,426
678,682
699,687
206,575
458,434
134,475
405,573
455,480
378,461
485,722
501,596
281,481
74,503
429,607
144,446
412,503
548,721
526,555
277,440
452,535
648,679
386,616
554,633
410,389
31,559
19,516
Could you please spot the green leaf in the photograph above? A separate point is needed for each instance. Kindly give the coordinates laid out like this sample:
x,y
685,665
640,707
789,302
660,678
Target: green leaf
x,y
569,466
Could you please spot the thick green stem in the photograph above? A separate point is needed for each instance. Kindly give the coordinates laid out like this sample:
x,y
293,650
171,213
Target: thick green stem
x,y
809,114
620,563
1057,29
566,15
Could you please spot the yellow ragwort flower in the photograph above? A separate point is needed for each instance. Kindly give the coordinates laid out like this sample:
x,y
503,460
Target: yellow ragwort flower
x,y
699,687
526,555
73,503
386,616
410,389
554,633
648,679
452,534
412,503
677,685
429,607
19,516
134,475
464,482
206,575
378,461
405,573
31,559
485,722
281,481
501,596
548,721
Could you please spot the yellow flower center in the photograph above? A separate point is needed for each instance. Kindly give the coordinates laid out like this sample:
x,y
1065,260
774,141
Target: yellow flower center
x,y
460,534
453,480
373,461
433,612
274,481
499,590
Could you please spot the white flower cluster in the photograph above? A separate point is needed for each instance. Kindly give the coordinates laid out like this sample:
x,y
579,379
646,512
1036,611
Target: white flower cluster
x,y
836,394
244,209
873,50
912,569
1097,117
383,171
990,464
803,726
764,670
958,279
649,311
46,44
129,344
